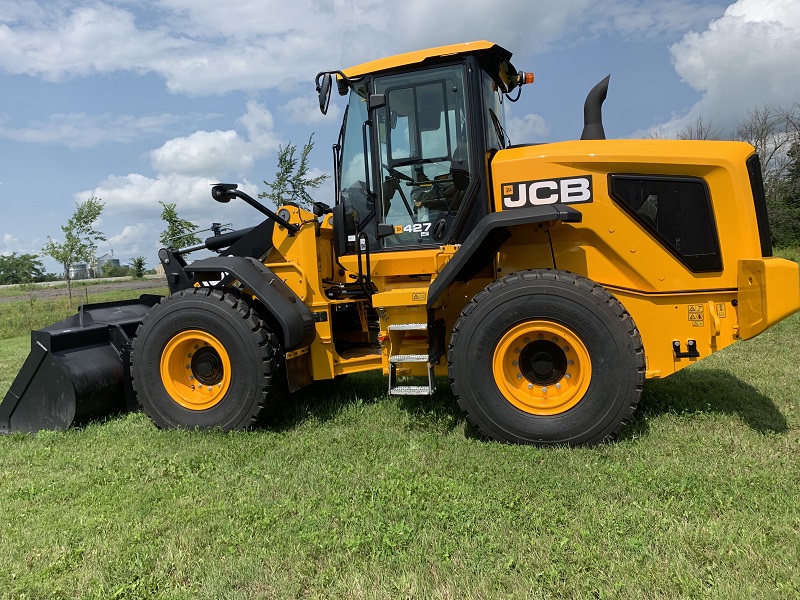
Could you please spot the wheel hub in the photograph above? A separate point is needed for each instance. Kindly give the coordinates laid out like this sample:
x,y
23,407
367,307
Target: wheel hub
x,y
195,369
542,367
207,366
543,362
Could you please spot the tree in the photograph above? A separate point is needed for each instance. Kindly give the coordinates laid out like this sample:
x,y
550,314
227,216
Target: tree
x,y
292,181
80,239
775,134
137,266
24,268
179,232
784,202
767,129
110,270
700,130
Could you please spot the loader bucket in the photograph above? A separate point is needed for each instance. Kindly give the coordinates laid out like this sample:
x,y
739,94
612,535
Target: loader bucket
x,y
78,369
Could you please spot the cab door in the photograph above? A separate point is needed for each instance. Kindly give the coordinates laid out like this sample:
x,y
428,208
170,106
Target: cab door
x,y
422,139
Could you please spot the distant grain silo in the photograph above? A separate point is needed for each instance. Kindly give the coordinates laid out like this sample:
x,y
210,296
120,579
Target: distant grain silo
x,y
106,259
79,271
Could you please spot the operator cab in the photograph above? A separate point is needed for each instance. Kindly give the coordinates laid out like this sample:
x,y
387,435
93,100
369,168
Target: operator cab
x,y
412,151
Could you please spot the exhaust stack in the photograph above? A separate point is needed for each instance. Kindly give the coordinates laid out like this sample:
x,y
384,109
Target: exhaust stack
x,y
593,113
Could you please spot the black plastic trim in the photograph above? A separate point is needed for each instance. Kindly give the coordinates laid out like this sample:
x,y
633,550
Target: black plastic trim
x,y
760,200
256,242
487,238
294,318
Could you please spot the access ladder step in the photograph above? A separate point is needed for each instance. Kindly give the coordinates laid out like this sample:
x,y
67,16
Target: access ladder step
x,y
408,358
409,327
411,390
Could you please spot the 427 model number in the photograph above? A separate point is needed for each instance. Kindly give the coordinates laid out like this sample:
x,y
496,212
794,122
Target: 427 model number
x,y
423,229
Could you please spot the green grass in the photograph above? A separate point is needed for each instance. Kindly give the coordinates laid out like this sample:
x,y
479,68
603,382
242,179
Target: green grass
x,y
77,287
352,494
790,253
20,317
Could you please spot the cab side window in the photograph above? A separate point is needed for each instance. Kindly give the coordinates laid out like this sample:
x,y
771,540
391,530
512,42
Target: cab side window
x,y
424,150
677,211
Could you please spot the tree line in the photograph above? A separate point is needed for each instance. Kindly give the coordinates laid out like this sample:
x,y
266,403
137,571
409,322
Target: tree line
x,y
774,131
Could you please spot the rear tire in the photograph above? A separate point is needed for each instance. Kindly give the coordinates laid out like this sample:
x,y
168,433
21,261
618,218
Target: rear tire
x,y
202,358
546,357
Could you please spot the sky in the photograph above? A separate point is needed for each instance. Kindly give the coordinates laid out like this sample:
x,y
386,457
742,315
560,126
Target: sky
x,y
137,102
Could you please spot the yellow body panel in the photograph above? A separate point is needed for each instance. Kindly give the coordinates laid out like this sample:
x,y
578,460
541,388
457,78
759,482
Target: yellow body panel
x,y
666,299
669,303
766,293
418,56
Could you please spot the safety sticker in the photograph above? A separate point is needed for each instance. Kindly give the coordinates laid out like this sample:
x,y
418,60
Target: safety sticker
x,y
697,315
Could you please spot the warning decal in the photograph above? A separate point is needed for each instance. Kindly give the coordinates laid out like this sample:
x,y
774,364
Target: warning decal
x,y
697,314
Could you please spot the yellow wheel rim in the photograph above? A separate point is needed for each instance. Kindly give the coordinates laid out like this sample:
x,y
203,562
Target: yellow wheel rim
x,y
195,369
542,367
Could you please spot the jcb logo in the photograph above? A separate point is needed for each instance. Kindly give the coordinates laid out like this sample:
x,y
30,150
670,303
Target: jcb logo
x,y
565,190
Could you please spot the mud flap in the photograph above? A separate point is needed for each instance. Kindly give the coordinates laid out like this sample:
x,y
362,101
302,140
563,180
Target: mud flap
x,y
78,369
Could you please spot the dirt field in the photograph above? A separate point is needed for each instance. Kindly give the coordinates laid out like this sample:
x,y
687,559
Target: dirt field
x,y
78,289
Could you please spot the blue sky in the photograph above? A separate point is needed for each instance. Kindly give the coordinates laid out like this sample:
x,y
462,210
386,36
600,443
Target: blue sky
x,y
136,102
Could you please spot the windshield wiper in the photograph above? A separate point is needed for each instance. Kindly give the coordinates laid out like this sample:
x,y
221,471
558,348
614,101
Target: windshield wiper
x,y
498,129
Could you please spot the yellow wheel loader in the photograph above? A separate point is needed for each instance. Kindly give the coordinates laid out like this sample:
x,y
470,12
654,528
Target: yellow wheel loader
x,y
547,281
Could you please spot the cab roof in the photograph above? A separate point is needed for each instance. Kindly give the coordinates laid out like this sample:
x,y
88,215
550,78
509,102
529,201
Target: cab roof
x,y
420,56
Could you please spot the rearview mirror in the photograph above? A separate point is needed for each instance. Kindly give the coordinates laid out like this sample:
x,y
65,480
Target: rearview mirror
x,y
323,82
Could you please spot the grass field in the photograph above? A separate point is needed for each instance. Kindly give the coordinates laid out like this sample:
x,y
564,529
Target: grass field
x,y
353,494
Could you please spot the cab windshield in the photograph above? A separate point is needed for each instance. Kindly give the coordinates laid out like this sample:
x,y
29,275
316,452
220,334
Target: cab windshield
x,y
422,137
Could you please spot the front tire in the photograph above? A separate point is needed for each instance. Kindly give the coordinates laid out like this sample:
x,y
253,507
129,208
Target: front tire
x,y
546,357
202,358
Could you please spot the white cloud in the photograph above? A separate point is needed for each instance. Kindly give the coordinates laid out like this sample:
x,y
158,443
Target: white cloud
x,y
81,40
78,130
130,237
260,128
639,19
212,47
141,194
744,59
221,152
10,244
528,129
305,110
203,152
